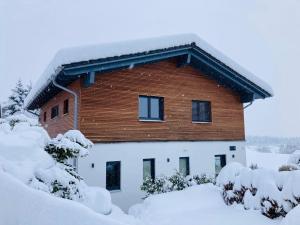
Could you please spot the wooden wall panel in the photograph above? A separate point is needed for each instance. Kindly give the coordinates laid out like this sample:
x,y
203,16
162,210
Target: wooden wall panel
x,y
62,123
109,108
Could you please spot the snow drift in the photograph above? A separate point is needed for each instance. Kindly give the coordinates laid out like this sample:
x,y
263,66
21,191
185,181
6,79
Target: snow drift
x,y
22,155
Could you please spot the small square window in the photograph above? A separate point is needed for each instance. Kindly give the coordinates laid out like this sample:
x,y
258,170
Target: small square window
x,y
66,106
54,112
151,108
232,148
201,111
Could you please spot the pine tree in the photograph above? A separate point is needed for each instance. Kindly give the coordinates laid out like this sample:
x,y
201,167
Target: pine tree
x,y
16,99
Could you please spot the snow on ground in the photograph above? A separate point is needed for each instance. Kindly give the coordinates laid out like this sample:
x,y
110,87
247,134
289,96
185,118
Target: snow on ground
x,y
293,217
200,204
270,160
22,205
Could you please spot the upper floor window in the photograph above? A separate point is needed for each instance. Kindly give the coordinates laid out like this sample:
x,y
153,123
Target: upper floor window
x,y
54,111
66,106
45,117
201,111
151,108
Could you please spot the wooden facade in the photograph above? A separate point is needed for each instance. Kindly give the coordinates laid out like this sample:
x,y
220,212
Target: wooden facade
x,y
108,110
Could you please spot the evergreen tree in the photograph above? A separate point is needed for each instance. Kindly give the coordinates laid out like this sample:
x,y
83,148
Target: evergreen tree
x,y
16,99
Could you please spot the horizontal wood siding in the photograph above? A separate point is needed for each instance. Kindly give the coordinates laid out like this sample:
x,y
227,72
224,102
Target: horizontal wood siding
x,y
109,108
63,122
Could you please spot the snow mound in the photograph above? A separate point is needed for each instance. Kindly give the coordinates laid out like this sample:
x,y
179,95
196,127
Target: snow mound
x,y
229,173
293,217
22,155
21,205
200,204
274,193
93,52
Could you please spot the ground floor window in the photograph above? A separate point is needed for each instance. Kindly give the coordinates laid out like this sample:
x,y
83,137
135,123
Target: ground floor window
x,y
113,175
149,168
184,166
220,162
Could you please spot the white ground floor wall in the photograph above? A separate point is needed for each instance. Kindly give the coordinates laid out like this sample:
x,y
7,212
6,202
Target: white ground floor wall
x,y
166,154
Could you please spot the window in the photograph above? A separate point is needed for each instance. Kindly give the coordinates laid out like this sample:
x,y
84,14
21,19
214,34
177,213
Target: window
x,y
54,112
113,175
184,166
220,162
66,106
201,111
232,148
45,117
151,108
149,168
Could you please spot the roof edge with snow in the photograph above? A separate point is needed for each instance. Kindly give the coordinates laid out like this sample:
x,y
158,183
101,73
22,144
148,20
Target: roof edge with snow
x,y
71,63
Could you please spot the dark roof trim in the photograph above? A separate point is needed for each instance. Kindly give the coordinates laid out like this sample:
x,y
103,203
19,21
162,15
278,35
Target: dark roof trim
x,y
198,58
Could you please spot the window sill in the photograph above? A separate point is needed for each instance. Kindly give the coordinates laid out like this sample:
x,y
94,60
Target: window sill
x,y
115,191
156,121
201,122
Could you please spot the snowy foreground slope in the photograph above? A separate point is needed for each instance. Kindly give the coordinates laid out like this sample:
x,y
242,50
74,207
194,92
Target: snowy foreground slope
x,y
201,204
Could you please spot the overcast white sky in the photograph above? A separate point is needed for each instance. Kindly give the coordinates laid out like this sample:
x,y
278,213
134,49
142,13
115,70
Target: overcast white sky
x,y
261,35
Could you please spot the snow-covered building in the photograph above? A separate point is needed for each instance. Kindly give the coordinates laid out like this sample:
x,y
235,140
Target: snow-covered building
x,y
151,107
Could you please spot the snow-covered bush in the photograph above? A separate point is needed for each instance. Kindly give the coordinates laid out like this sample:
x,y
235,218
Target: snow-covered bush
x,y
63,148
273,193
22,155
72,144
156,186
176,182
202,179
288,167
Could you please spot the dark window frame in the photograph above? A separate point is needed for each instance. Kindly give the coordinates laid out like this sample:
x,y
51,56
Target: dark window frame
x,y
160,108
152,163
116,186
187,164
223,160
198,117
54,112
45,117
66,106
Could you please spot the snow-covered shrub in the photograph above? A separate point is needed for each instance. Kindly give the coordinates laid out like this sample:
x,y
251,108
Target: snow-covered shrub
x,y
22,155
202,179
288,167
63,148
176,182
273,193
253,166
156,186
70,145
17,118
271,208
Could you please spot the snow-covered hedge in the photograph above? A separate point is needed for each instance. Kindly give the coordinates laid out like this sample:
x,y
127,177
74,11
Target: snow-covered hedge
x,y
176,182
22,155
274,193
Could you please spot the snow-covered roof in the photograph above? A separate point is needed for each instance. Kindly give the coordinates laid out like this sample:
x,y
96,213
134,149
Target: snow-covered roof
x,y
106,50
